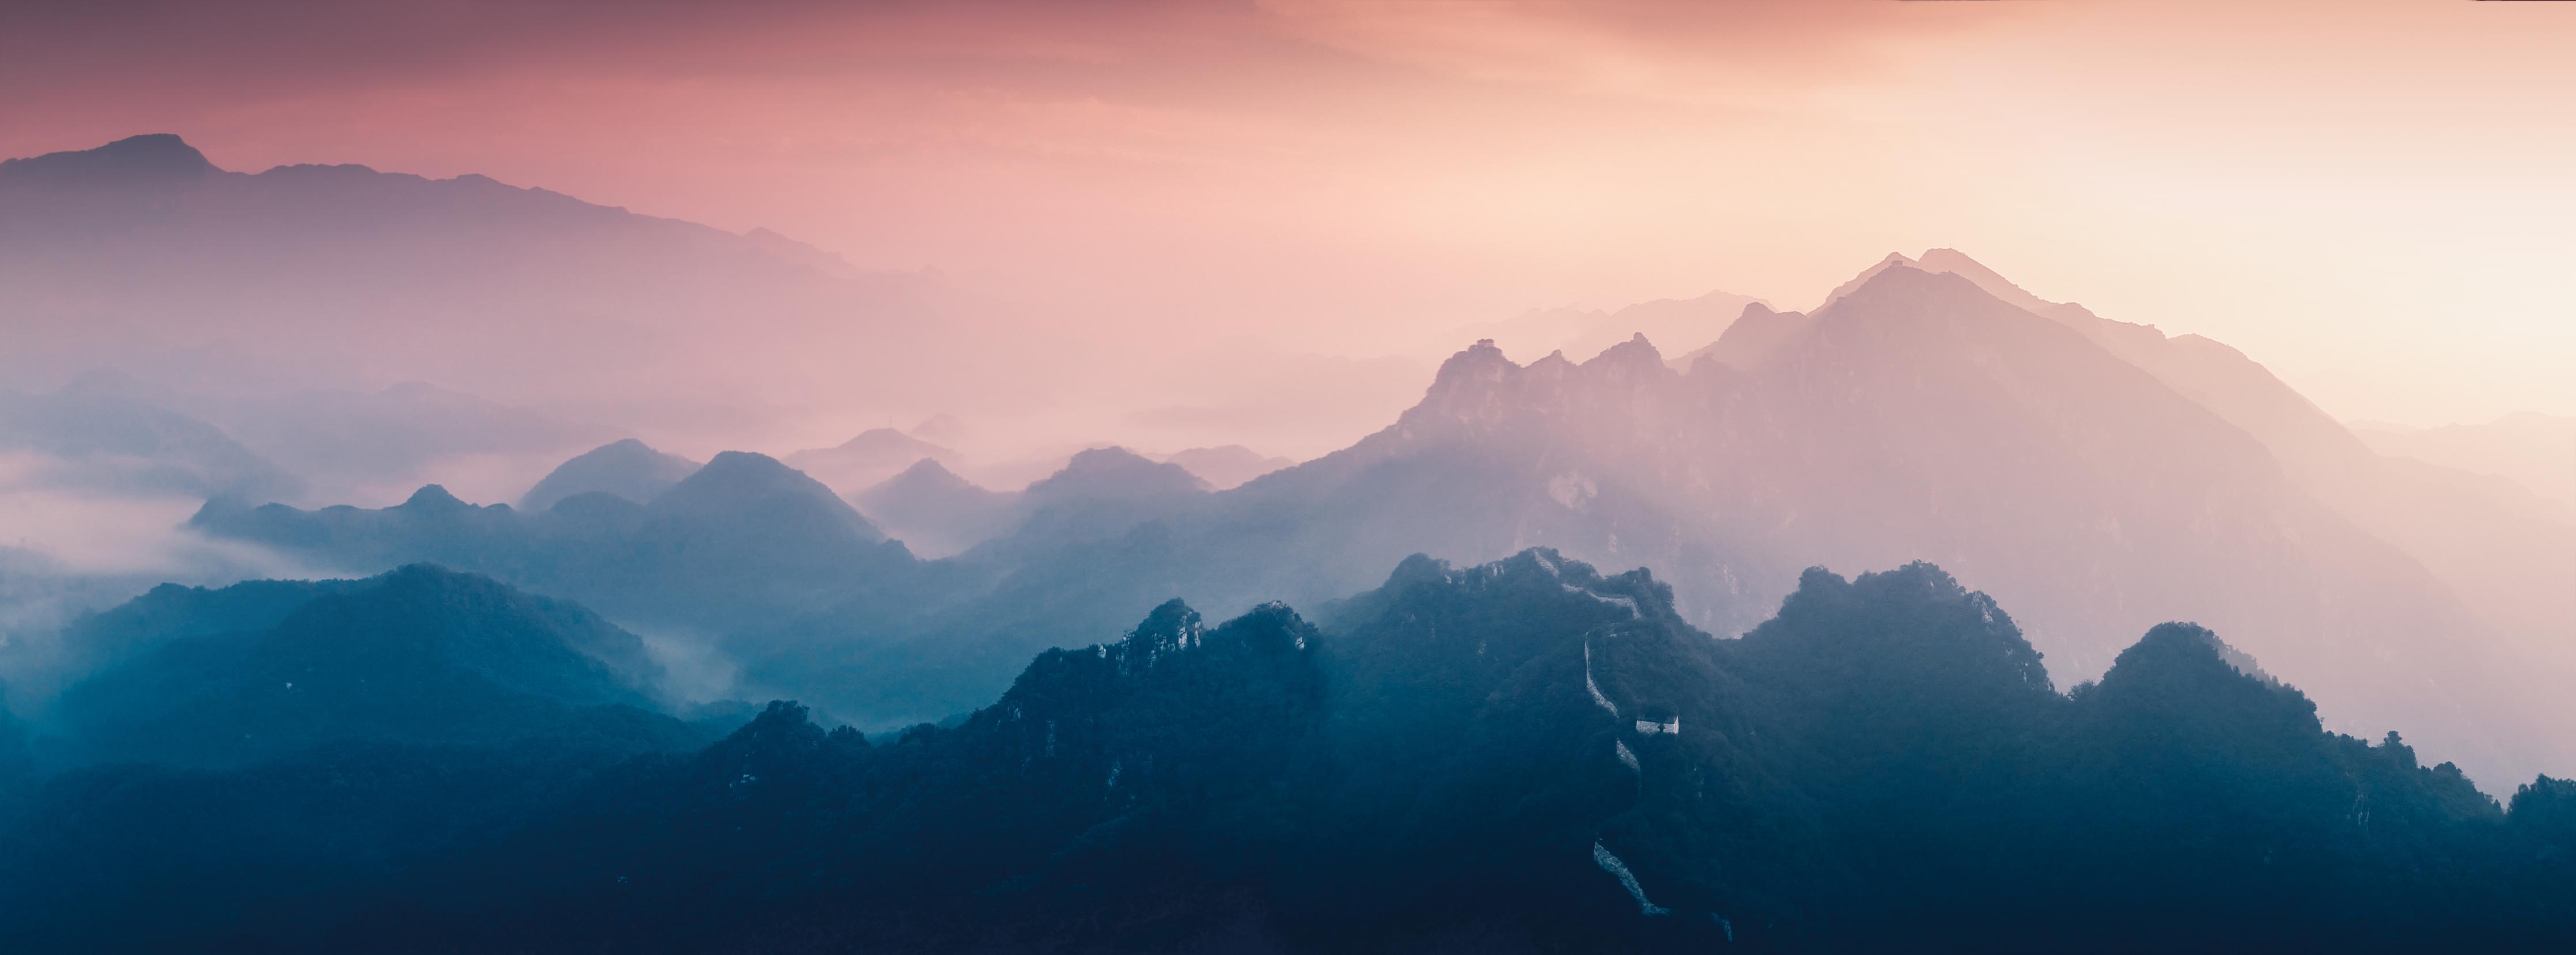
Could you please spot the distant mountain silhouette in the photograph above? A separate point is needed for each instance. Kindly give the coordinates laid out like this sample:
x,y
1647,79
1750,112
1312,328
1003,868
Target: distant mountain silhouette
x,y
1680,324
627,468
135,159
935,512
868,459
1112,474
94,435
2493,545
1227,466
750,505
2535,450
420,655
741,541
1748,341
398,432
142,254
1100,492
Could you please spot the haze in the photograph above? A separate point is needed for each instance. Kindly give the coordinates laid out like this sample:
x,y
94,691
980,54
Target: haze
x,y
2369,198
1286,476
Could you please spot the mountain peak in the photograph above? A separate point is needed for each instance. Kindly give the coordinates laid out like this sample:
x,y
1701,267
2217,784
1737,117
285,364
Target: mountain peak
x,y
1114,456
1903,288
432,497
1483,359
1950,260
1171,626
1115,469
1958,263
1636,352
147,157
627,468
2191,640
927,473
874,439
746,472
750,486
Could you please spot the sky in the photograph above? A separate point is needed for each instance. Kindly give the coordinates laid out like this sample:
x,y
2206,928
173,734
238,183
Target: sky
x,y
2371,198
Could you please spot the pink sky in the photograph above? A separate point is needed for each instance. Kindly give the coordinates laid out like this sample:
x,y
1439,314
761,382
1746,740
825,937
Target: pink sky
x,y
2372,198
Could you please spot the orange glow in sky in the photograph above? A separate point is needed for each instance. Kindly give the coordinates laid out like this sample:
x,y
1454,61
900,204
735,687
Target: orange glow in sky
x,y
2374,199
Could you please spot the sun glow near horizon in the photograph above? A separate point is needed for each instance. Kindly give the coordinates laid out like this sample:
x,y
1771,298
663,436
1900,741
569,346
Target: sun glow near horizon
x,y
1354,179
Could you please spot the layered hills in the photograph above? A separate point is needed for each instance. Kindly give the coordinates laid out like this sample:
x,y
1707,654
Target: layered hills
x,y
2099,487
1526,755
740,540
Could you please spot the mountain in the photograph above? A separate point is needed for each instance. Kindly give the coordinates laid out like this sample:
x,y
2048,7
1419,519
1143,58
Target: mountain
x,y
421,655
1112,474
961,626
741,486
150,158
2497,546
1681,324
1227,466
935,512
2535,450
626,468
144,255
1100,493
868,459
1526,755
398,433
740,541
1916,417
1748,341
94,436
97,639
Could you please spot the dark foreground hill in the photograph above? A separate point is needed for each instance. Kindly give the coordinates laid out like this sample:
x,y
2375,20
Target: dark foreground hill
x,y
421,656
1520,756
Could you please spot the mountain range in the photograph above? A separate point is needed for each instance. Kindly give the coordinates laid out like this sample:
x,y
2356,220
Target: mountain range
x,y
1526,755
145,255
869,459
740,540
1681,324
1918,415
1395,697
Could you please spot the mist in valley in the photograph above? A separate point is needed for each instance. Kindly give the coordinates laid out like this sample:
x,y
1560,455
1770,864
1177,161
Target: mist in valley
x,y
1285,477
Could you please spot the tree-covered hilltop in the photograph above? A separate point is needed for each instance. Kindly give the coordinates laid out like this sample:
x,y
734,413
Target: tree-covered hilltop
x,y
1520,756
